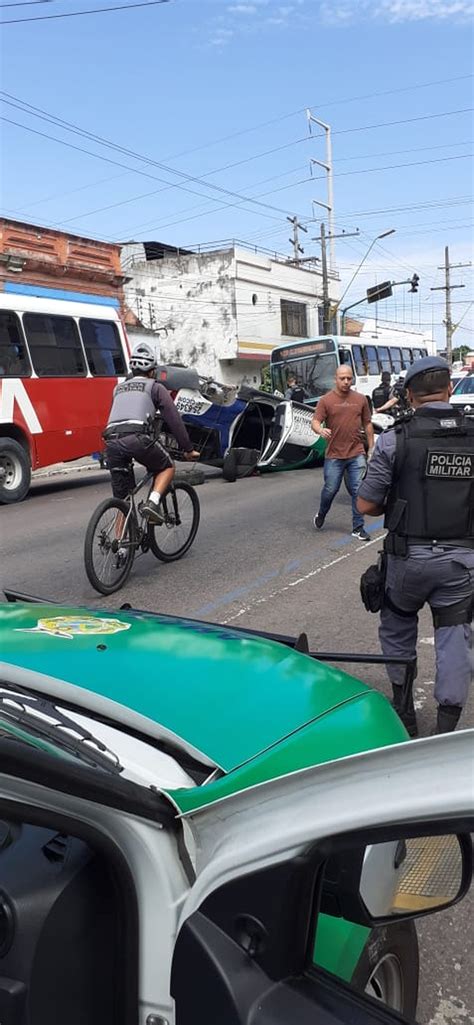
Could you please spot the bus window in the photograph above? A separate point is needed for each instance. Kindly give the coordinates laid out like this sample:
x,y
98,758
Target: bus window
x,y
417,354
359,362
396,355
14,360
371,359
407,358
103,349
55,345
384,358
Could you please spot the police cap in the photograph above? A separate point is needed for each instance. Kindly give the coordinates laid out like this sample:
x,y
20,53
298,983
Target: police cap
x,y
422,366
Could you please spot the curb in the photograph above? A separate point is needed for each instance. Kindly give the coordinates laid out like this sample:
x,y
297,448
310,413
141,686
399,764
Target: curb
x,y
195,475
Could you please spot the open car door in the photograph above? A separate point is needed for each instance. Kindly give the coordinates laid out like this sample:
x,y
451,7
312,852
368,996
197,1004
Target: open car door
x,y
291,439
352,837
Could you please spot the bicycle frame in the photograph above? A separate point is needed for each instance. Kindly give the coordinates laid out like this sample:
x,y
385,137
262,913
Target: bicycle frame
x,y
141,531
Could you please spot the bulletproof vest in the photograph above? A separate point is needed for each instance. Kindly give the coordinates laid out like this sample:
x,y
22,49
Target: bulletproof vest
x,y
298,394
380,395
432,493
132,401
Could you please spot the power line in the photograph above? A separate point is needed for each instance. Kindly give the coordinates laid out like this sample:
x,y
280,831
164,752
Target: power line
x,y
136,170
75,129
26,3
79,14
321,106
183,220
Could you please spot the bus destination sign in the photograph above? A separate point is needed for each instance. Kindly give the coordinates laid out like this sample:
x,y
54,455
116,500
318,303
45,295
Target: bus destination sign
x,y
305,349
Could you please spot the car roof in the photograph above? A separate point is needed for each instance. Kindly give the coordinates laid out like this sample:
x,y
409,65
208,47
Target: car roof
x,y
225,695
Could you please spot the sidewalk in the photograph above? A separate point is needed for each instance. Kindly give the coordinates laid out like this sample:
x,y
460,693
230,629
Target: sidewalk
x,y
192,472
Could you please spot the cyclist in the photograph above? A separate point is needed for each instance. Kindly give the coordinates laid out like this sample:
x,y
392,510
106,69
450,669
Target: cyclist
x,y
135,402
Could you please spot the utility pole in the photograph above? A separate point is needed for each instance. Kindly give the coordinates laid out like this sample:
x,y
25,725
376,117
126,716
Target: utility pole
x,y
447,288
327,167
324,270
295,242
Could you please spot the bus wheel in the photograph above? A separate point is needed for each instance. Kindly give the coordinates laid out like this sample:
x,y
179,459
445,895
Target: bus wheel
x,y
15,471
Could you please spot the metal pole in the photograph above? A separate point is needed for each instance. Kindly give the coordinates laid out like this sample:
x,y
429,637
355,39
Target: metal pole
x,y
449,324
324,268
330,197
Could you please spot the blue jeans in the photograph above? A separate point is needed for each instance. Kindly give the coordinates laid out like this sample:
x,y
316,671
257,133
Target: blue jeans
x,y
334,470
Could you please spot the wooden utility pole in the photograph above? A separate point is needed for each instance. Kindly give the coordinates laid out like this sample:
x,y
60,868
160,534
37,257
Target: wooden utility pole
x,y
295,241
447,288
325,275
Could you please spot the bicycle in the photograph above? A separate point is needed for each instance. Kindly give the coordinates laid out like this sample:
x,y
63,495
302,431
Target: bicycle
x,y
118,530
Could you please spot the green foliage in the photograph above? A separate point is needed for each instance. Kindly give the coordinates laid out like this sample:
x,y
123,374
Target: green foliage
x,y
266,381
460,352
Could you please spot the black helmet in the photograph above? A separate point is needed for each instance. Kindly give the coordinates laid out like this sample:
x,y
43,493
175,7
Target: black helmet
x,y
143,358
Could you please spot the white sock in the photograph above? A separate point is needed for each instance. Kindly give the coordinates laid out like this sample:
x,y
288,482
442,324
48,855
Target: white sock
x,y
155,497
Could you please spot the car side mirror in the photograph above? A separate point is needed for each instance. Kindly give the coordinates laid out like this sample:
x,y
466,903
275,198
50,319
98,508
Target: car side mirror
x,y
400,878
423,873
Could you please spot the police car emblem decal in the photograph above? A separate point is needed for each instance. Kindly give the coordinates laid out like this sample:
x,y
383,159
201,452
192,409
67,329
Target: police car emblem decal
x,y
451,465
75,626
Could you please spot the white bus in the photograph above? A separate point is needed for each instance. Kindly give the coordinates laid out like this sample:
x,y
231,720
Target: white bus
x,y
314,362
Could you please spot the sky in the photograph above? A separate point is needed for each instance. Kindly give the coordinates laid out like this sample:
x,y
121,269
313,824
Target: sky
x,y
180,113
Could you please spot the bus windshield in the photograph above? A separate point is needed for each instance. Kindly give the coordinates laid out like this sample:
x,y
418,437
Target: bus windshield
x,y
312,363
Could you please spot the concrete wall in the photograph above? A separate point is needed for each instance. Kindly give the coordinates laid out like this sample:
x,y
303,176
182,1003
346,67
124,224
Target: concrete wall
x,y
218,311
35,256
260,284
190,302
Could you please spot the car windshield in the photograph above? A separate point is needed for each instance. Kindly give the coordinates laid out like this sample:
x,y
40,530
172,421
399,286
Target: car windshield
x,y
314,374
51,725
465,386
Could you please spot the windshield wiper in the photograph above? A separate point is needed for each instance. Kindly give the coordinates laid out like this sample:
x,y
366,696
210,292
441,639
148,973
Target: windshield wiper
x,y
42,718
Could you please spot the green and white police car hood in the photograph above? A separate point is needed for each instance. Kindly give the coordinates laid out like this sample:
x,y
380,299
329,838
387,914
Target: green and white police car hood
x,y
216,696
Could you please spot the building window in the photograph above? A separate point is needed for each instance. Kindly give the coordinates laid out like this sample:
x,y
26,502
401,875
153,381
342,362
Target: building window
x,y
293,319
103,349
14,360
54,345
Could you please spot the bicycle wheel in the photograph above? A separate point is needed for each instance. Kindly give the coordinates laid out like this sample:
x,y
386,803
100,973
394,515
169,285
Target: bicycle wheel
x,y
181,510
108,558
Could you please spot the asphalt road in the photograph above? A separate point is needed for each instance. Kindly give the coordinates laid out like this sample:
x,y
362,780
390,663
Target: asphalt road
x,y
257,562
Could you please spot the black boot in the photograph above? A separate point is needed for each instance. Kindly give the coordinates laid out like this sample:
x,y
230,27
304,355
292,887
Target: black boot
x,y
448,718
407,714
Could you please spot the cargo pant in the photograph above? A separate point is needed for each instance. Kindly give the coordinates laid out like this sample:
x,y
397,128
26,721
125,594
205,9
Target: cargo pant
x,y
441,577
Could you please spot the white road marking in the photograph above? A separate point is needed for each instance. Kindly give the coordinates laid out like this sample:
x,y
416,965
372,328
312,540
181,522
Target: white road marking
x,y
300,580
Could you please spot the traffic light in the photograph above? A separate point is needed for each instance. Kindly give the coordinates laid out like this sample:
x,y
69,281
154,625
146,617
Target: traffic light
x,y
414,283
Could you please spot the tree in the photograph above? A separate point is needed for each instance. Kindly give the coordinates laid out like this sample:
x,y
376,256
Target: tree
x,y
460,352
266,381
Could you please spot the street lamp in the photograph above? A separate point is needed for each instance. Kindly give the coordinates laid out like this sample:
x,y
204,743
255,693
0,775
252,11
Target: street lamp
x,y
384,234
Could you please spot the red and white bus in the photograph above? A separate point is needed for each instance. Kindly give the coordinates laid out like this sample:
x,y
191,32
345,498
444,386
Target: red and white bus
x,y
60,357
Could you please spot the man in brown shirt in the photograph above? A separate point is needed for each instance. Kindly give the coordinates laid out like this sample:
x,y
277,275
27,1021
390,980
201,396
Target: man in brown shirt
x,y
346,415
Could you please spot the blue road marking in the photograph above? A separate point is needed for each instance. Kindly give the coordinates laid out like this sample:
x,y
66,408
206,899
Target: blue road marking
x,y
240,592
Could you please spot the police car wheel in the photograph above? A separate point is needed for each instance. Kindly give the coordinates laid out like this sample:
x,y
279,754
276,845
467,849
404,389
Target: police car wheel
x,y
15,471
388,968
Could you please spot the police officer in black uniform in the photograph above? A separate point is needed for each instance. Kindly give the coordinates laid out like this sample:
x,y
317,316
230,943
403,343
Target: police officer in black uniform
x,y
128,435
382,393
422,477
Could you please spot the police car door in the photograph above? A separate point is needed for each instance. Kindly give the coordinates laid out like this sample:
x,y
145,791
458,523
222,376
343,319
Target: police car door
x,y
244,960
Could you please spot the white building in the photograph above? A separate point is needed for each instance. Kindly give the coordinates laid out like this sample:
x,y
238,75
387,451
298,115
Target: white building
x,y
221,311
